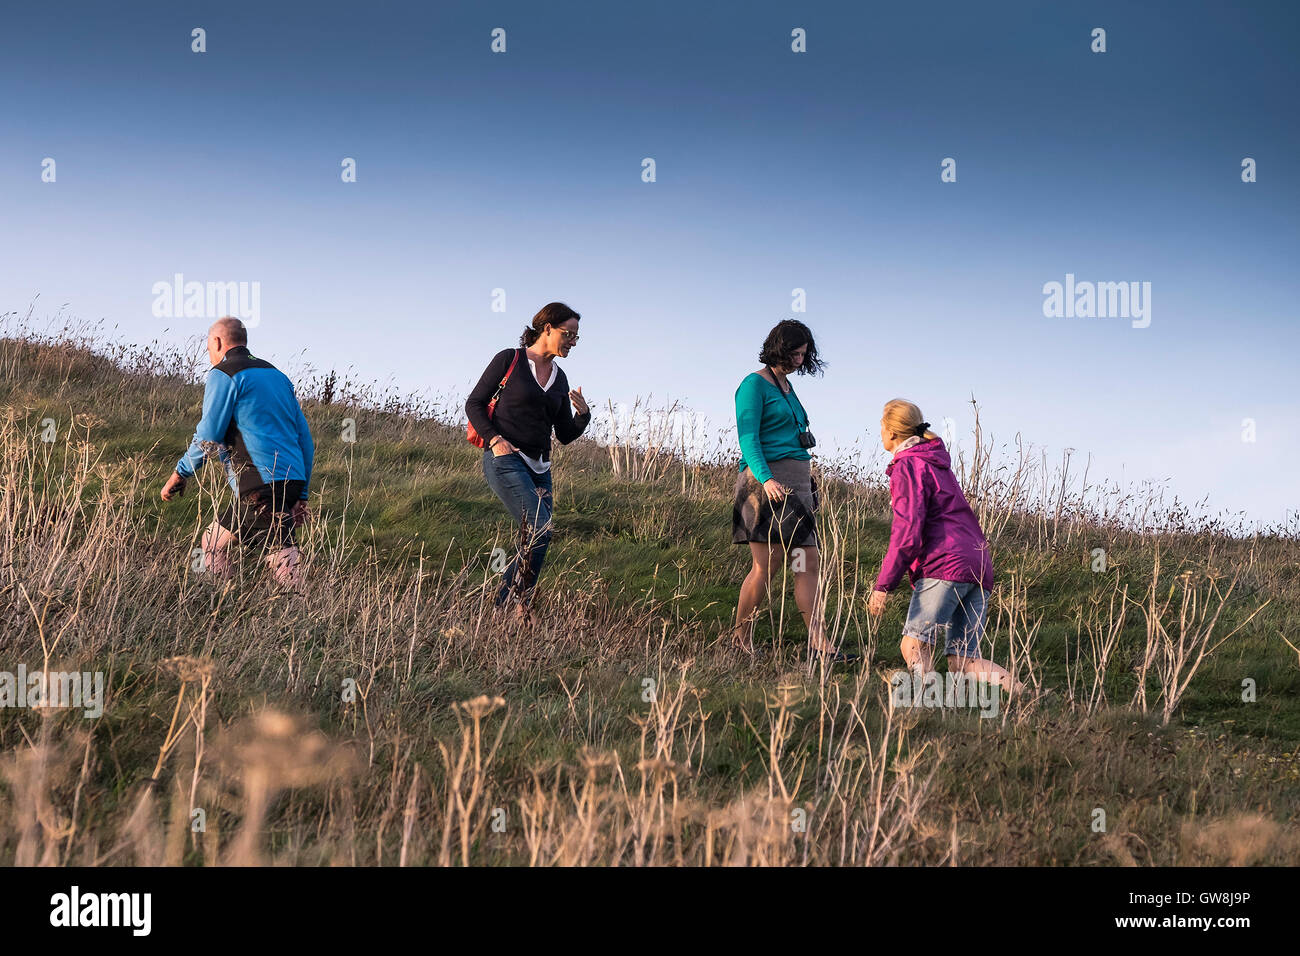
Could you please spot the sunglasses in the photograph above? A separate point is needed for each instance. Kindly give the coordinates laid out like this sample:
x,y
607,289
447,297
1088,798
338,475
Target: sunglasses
x,y
567,335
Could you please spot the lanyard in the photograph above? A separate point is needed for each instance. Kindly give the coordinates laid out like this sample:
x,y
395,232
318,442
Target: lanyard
x,y
804,426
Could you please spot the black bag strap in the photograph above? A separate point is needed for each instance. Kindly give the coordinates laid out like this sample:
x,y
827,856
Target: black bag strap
x,y
803,427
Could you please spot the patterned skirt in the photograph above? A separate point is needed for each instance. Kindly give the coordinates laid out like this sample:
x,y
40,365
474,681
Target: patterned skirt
x,y
788,525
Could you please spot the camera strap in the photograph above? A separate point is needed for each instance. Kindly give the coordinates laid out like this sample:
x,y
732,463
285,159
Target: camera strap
x,y
802,427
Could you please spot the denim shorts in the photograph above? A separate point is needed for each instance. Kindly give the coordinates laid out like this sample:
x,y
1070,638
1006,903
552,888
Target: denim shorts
x,y
954,610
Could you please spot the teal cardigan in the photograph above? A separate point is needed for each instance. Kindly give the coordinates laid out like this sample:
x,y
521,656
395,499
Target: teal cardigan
x,y
768,428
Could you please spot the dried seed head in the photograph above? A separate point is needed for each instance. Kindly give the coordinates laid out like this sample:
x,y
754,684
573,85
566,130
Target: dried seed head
x,y
278,750
188,669
787,695
593,760
479,707
659,766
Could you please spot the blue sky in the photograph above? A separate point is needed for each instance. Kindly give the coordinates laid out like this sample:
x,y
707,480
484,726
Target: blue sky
x,y
775,171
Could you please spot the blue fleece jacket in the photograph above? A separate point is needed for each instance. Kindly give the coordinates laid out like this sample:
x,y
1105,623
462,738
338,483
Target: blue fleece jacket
x,y
250,409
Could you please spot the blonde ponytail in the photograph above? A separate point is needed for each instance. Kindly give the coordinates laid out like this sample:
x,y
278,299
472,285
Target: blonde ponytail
x,y
903,418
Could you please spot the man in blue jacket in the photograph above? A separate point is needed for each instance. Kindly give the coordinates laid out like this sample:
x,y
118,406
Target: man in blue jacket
x,y
253,423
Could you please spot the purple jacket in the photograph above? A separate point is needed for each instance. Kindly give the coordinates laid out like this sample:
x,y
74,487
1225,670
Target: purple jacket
x,y
935,534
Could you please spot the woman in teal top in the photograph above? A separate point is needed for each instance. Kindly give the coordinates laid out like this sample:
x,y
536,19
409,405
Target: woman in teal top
x,y
774,502
769,419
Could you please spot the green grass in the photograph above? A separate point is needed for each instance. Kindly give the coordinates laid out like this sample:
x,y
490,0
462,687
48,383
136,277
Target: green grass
x,y
641,582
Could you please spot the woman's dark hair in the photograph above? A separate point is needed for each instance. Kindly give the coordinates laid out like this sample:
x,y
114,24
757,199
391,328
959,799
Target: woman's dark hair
x,y
786,336
553,314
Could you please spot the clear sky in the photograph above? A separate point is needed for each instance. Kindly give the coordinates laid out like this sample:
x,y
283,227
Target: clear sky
x,y
775,170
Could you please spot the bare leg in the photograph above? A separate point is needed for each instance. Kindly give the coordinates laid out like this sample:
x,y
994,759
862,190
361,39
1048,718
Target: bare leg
x,y
285,566
807,597
216,549
917,654
753,590
985,670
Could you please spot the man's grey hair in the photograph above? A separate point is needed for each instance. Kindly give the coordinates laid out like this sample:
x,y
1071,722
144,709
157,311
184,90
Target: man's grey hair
x,y
231,330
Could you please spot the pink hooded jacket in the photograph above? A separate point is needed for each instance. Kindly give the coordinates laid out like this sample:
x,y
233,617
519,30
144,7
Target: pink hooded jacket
x,y
935,534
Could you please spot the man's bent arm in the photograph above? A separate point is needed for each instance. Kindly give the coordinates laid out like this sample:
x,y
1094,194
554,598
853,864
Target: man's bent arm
x,y
218,409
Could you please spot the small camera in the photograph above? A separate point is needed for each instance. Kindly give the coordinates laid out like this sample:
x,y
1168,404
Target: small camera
x,y
806,440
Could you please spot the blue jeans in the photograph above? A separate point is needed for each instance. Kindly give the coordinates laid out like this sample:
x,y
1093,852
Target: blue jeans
x,y
955,610
527,496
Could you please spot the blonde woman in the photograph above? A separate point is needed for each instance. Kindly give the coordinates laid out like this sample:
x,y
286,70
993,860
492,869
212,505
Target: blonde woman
x,y
937,540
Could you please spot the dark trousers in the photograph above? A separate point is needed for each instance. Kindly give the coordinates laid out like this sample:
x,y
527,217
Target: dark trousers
x,y
261,517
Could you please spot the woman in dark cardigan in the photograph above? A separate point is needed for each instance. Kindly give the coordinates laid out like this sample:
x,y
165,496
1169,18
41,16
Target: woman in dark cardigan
x,y
517,458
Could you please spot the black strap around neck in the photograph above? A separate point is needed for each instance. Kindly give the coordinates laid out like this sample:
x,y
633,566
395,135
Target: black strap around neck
x,y
802,427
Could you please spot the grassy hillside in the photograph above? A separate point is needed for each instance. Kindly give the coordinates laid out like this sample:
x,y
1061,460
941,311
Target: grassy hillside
x,y
386,716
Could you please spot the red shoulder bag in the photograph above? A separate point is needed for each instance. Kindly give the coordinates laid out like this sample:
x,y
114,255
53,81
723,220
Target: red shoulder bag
x,y
471,433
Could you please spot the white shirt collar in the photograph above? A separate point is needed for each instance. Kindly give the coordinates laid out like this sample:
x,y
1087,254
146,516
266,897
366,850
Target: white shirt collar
x,y
555,370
